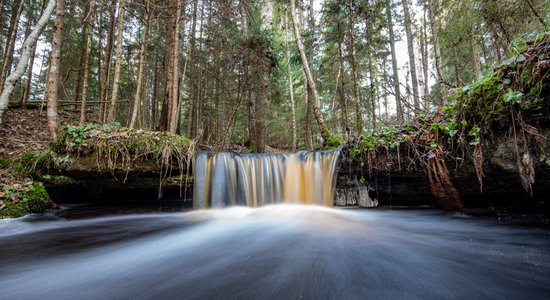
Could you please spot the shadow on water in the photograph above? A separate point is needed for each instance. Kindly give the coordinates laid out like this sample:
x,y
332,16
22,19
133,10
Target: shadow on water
x,y
274,252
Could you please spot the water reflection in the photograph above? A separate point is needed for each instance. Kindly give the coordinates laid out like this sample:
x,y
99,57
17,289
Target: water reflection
x,y
275,252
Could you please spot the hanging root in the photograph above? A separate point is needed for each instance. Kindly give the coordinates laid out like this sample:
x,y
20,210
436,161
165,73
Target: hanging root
x,y
442,187
526,171
478,165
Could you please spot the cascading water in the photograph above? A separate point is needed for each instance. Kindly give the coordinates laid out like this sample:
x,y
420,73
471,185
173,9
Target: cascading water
x,y
223,179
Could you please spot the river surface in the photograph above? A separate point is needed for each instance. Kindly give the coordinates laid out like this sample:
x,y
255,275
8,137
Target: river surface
x,y
275,252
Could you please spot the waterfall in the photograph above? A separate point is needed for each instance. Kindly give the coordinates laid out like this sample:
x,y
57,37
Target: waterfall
x,y
224,179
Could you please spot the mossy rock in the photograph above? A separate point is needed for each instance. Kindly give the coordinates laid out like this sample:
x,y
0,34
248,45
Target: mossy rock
x,y
27,199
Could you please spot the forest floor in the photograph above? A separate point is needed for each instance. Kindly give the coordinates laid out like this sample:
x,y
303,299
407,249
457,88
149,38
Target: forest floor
x,y
24,130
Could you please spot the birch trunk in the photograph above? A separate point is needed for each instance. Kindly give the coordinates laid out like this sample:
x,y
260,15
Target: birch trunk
x,y
290,86
325,134
29,43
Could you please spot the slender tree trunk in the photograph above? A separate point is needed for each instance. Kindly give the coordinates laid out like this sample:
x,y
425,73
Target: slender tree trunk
x,y
397,92
8,55
290,86
144,36
154,101
425,66
435,44
2,41
342,91
88,31
118,60
199,103
54,75
325,134
372,94
412,61
475,53
192,76
106,75
355,75
456,63
29,43
307,88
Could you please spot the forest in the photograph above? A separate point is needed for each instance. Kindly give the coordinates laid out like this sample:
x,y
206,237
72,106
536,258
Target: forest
x,y
415,84
259,74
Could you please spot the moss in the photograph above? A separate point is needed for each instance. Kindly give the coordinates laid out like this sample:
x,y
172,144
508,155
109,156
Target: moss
x,y
21,199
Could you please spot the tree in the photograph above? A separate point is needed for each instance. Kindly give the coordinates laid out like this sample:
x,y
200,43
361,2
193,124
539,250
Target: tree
x,y
86,60
325,134
54,74
116,80
355,75
8,55
410,48
26,51
290,85
144,37
397,93
107,56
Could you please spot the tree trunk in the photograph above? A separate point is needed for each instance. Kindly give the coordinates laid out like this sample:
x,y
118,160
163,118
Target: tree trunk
x,y
325,134
118,60
290,86
425,66
88,31
29,43
191,106
435,44
412,61
394,65
106,75
54,75
342,91
355,75
144,36
456,63
174,116
475,53
10,43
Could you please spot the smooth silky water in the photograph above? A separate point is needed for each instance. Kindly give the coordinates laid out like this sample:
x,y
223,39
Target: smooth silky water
x,y
277,251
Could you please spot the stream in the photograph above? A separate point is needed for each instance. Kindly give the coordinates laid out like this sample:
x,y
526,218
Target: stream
x,y
281,251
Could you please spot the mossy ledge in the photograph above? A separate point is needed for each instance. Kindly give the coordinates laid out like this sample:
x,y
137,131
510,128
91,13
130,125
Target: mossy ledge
x,y
93,160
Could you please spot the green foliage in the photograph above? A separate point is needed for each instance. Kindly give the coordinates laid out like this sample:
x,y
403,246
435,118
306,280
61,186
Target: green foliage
x,y
18,199
334,141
